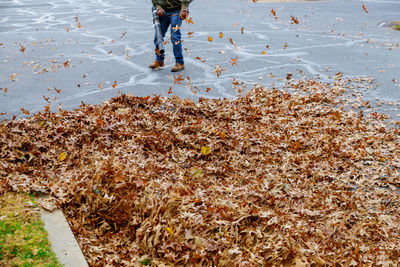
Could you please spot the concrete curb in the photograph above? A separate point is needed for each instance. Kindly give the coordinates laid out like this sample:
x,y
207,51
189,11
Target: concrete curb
x,y
62,240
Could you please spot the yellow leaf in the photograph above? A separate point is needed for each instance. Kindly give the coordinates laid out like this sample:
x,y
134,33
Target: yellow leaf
x,y
205,150
221,34
196,173
169,230
263,52
62,156
210,39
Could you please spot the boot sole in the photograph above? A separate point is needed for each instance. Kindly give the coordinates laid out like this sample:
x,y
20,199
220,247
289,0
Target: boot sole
x,y
177,70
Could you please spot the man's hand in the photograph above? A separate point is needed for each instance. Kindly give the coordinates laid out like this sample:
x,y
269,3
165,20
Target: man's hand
x,y
160,11
184,14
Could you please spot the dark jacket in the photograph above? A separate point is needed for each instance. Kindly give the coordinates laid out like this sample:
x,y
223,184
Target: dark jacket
x,y
172,5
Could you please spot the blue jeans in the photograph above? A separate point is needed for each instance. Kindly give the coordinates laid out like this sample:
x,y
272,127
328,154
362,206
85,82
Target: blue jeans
x,y
172,19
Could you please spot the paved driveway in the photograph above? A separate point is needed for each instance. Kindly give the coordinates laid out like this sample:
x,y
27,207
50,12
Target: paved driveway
x,y
92,50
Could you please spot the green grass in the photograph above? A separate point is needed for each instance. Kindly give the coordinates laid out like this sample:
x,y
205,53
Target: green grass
x,y
23,240
397,27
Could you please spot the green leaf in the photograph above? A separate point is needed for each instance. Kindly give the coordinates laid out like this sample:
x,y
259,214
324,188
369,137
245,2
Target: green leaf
x,y
146,262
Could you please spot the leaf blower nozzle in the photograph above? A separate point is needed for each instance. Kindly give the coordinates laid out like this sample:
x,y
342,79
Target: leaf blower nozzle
x,y
157,27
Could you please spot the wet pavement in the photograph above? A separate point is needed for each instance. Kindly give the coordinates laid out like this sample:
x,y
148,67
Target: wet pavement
x,y
68,51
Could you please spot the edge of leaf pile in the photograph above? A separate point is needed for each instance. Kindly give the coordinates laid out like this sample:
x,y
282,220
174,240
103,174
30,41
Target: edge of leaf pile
x,y
269,178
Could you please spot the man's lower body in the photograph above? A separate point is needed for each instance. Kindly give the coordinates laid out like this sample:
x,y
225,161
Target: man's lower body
x,y
171,19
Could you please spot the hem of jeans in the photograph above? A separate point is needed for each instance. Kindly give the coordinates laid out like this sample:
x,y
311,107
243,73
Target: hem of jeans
x,y
180,60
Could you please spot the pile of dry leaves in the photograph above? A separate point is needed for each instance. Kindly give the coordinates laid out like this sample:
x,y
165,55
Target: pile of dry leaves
x,y
270,178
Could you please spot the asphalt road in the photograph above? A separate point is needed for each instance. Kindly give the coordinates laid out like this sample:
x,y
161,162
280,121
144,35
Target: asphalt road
x,y
68,51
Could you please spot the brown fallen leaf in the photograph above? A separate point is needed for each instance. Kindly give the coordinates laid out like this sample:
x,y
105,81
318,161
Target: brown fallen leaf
x,y
46,204
234,61
24,111
274,14
364,8
294,20
178,79
189,21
